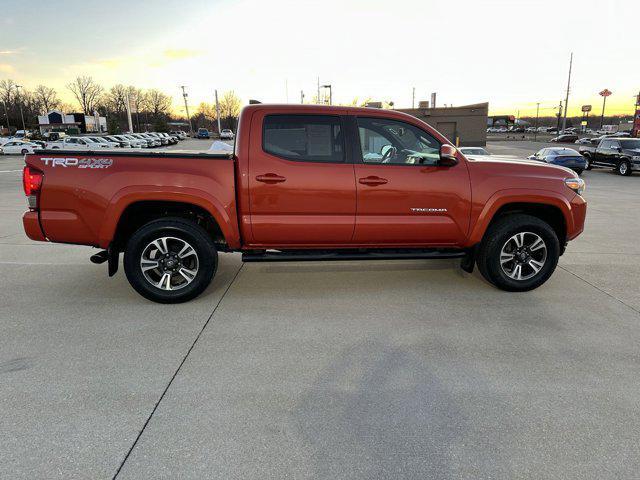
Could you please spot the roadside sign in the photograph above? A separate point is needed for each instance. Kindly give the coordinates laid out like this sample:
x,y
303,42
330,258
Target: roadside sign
x,y
586,108
605,93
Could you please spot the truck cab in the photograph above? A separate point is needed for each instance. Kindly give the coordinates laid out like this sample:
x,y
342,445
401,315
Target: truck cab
x,y
622,154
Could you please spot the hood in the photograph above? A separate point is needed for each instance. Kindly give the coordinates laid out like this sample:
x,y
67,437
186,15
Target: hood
x,y
515,164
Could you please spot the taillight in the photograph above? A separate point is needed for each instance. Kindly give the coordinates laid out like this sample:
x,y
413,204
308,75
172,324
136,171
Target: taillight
x,y
31,181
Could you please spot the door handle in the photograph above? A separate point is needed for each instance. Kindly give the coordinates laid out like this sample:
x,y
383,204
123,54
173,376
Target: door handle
x,y
270,178
372,181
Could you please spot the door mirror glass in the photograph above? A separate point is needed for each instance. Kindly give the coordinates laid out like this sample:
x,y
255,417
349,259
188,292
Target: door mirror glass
x,y
448,156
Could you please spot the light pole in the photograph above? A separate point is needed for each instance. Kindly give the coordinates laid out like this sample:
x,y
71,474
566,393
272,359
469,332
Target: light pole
x,y
566,100
604,94
535,132
186,107
330,94
18,87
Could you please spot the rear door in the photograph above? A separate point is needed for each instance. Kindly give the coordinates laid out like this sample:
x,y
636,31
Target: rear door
x,y
404,197
301,184
603,153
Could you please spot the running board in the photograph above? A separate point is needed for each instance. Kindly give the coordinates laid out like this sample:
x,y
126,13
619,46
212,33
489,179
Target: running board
x,y
320,255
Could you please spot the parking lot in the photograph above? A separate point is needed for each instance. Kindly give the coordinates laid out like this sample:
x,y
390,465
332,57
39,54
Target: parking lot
x,y
387,369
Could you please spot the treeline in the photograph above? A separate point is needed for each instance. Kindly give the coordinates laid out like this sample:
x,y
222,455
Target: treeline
x,y
150,109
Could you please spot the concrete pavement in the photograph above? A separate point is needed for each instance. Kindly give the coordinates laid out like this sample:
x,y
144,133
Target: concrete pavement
x,y
403,369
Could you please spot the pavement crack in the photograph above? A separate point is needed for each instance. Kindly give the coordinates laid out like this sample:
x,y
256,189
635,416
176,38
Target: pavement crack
x,y
600,289
184,359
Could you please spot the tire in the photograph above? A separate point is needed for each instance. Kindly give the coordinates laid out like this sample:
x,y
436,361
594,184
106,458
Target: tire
x,y
24,151
623,168
500,239
191,273
588,165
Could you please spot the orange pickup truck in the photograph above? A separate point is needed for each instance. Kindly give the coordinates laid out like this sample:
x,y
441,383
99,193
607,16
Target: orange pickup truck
x,y
305,183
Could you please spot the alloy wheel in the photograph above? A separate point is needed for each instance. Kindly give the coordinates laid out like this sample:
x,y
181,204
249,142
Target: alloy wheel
x,y
523,255
169,263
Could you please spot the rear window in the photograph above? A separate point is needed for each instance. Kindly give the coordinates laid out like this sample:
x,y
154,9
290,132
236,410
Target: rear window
x,y
311,138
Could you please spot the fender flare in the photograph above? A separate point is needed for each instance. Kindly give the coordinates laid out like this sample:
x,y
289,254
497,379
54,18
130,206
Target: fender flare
x,y
518,195
129,195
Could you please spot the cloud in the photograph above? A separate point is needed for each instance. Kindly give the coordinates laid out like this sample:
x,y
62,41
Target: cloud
x,y
180,53
6,68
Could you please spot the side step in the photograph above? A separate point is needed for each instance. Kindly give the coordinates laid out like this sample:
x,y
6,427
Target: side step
x,y
323,255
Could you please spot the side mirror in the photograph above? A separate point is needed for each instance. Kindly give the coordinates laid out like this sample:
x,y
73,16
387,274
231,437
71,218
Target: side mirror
x,y
448,156
531,157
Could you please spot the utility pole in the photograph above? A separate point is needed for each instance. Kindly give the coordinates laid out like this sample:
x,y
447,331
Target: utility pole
x,y
413,98
535,132
566,100
18,87
218,111
559,116
186,108
301,96
129,114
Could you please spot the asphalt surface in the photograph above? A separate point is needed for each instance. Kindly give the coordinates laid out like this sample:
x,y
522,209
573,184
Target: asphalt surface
x,y
398,369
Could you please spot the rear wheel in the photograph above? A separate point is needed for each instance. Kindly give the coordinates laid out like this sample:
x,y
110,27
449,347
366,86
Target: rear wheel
x,y
518,253
170,261
623,168
24,151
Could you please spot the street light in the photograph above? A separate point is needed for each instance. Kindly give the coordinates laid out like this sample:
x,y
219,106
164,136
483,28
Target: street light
x,y
24,128
330,94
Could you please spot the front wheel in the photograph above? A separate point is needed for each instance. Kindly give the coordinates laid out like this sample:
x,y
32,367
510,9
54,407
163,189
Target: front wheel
x,y
170,261
623,168
518,253
588,165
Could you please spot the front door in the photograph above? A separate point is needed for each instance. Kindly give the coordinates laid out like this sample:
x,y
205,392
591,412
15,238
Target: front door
x,y
301,187
404,197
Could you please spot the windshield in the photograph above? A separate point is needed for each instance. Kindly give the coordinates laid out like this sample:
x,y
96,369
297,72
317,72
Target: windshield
x,y
564,151
630,144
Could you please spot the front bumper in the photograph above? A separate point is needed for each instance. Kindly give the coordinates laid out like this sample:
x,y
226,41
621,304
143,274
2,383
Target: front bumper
x,y
579,213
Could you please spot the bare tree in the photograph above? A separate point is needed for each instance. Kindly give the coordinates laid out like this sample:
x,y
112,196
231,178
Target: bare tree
x,y
116,99
8,90
230,105
87,93
46,97
158,103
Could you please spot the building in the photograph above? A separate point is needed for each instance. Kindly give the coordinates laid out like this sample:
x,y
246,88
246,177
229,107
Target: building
x,y
57,121
464,126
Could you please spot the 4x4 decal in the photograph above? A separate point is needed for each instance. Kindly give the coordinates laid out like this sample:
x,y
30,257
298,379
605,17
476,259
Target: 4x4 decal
x,y
77,162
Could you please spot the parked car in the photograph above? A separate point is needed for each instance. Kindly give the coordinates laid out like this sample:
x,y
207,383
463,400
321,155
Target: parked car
x,y
53,136
309,196
156,142
145,142
561,156
104,141
202,133
565,138
226,134
121,141
621,154
584,141
170,138
161,139
75,143
474,151
18,147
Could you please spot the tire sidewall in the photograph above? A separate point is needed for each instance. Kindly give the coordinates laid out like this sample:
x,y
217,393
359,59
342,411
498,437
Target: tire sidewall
x,y
619,168
179,228
498,238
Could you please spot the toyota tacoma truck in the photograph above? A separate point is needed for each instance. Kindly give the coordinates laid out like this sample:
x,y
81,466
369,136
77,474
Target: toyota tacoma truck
x,y
305,183
622,154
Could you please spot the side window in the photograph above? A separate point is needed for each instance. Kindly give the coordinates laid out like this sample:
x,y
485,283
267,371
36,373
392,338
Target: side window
x,y
614,145
311,138
71,140
605,144
393,142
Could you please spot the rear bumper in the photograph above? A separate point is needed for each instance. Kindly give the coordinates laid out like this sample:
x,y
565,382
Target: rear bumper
x,y
32,228
579,213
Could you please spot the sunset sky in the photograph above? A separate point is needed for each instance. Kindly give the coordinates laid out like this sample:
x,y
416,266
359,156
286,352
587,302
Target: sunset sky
x,y
509,53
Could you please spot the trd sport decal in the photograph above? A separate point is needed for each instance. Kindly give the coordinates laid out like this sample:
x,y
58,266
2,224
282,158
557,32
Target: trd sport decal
x,y
78,162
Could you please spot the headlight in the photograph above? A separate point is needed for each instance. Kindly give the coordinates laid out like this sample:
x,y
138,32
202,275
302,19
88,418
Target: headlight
x,y
575,184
